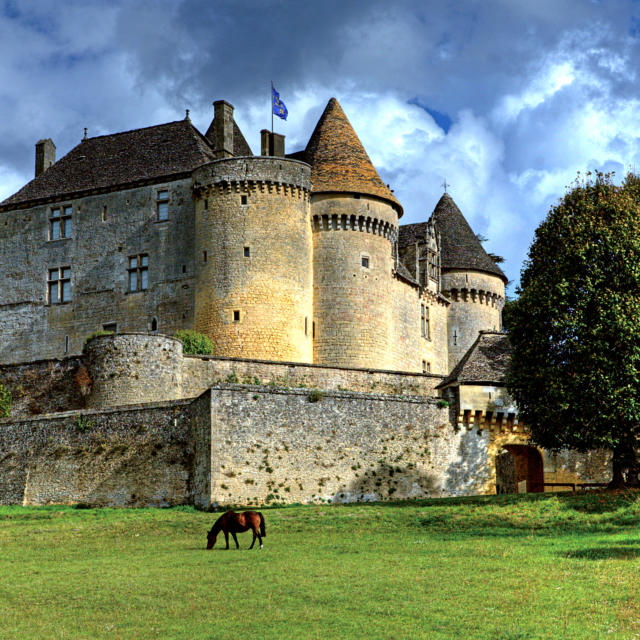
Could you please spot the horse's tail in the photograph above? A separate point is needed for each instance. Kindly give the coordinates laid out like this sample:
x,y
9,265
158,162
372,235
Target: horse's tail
x,y
263,529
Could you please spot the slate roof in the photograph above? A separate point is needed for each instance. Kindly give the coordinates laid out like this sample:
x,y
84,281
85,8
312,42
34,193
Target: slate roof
x,y
117,160
461,249
339,162
486,361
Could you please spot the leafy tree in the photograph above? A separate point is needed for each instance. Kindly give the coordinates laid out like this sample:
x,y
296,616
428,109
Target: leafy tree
x,y
195,343
575,327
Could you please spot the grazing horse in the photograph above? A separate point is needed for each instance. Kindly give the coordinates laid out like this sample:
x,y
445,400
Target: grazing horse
x,y
232,522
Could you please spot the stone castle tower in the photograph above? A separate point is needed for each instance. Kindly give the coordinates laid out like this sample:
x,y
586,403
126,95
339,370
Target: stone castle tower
x,y
294,257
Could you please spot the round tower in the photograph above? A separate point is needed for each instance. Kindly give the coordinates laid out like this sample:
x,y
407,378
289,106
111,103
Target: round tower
x,y
355,225
471,280
254,291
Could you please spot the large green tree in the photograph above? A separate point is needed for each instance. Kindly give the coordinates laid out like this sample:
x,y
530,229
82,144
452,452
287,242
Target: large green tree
x,y
575,327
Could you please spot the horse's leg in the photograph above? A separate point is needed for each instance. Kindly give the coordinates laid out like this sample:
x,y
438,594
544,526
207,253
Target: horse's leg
x,y
233,533
253,541
226,539
259,539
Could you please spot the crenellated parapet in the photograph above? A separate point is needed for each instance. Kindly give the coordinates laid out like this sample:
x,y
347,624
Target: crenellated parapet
x,y
478,296
263,174
361,223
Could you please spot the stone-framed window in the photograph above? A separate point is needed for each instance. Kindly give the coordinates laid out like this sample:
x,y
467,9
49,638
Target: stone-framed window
x,y
162,205
59,285
364,261
60,222
426,367
138,272
425,329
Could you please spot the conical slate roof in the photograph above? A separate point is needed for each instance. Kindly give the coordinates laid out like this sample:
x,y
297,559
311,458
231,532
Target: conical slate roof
x,y
461,249
338,160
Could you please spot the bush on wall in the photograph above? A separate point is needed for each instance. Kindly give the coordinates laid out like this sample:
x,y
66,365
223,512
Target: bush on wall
x,y
195,343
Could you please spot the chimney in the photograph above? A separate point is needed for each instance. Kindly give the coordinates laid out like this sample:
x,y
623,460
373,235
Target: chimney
x,y
271,144
223,129
45,155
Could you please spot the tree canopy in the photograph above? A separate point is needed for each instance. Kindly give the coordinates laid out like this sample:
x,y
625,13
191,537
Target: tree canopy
x,y
575,327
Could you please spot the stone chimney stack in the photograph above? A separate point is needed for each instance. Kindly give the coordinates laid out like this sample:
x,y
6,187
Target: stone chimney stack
x,y
271,144
45,155
223,129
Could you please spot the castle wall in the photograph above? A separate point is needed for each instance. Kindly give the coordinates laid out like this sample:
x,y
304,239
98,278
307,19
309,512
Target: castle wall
x,y
476,305
45,386
202,372
275,444
134,368
126,457
106,230
254,276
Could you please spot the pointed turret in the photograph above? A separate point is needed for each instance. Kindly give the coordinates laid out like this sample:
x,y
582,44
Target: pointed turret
x,y
339,162
461,248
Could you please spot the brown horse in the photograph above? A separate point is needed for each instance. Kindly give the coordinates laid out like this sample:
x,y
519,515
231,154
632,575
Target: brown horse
x,y
232,523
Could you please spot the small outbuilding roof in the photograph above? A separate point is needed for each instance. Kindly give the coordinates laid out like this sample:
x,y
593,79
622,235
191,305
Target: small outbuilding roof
x,y
486,361
339,162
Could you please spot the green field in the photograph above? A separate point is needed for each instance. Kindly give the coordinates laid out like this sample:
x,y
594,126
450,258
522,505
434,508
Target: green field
x,y
548,566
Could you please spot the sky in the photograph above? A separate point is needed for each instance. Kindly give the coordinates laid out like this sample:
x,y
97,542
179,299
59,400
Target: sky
x,y
506,100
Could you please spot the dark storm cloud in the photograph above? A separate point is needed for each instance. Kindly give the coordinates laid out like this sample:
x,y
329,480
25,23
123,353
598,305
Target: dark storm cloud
x,y
505,99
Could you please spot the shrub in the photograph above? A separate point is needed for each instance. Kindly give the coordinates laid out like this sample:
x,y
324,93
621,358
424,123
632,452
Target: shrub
x,y
97,334
195,343
315,395
443,404
5,401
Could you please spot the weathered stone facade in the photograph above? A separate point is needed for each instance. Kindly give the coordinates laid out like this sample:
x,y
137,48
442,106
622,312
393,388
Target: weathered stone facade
x,y
341,338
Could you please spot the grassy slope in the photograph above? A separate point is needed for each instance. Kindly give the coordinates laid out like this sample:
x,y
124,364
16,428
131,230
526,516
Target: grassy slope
x,y
499,567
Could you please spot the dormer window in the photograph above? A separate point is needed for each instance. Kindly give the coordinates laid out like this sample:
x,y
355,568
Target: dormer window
x,y
60,222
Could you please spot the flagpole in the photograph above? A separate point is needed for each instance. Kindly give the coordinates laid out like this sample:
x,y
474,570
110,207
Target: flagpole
x,y
272,106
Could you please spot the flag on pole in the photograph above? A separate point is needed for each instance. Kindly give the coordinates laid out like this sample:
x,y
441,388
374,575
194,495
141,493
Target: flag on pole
x,y
279,108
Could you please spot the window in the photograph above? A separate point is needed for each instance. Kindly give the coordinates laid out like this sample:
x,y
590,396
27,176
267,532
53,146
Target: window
x,y
139,273
66,344
110,326
154,324
365,262
306,326
60,223
104,213
59,285
247,252
206,204
163,205
236,316
313,329
425,330
243,199
204,256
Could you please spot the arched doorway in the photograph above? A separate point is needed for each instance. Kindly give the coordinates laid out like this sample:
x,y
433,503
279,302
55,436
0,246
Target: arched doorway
x,y
519,469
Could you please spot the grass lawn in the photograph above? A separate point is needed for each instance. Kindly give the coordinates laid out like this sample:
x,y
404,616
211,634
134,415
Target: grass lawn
x,y
500,567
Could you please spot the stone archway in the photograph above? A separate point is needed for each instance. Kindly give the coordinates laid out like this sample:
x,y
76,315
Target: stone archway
x,y
519,469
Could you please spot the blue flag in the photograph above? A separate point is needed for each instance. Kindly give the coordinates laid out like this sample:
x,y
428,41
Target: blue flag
x,y
279,108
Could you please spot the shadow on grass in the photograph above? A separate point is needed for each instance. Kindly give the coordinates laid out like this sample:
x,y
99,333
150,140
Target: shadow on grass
x,y
616,552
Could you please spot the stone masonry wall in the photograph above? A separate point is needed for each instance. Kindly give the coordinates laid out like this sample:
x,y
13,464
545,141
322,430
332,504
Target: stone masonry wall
x,y
133,368
254,295
107,229
139,456
44,386
275,444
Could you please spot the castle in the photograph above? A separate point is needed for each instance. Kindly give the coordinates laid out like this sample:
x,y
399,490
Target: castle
x,y
297,268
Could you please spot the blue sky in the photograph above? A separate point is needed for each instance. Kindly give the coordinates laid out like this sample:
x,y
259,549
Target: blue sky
x,y
507,100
